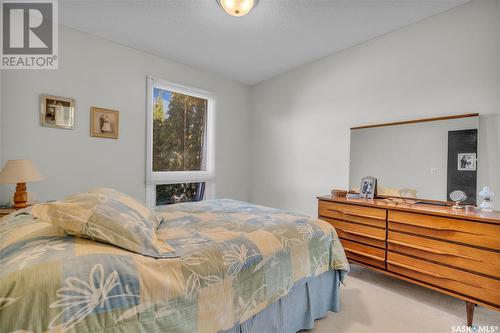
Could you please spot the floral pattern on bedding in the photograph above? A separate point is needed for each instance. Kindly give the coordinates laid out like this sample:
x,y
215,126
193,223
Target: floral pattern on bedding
x,y
234,260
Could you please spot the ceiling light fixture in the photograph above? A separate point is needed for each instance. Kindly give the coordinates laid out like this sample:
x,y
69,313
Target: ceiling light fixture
x,y
237,7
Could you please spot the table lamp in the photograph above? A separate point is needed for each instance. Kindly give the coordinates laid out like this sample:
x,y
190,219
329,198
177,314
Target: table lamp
x,y
20,172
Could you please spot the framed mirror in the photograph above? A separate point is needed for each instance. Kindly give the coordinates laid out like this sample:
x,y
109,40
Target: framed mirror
x,y
422,159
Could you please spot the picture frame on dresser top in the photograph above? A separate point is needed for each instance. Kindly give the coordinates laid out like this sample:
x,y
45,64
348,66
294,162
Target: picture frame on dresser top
x,y
447,250
368,187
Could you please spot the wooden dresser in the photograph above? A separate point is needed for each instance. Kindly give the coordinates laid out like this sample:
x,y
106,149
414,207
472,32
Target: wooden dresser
x,y
447,250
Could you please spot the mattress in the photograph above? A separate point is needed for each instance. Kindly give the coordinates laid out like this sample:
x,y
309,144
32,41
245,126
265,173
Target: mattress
x,y
234,261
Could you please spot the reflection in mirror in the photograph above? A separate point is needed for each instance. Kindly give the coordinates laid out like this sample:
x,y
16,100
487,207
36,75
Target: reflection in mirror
x,y
421,159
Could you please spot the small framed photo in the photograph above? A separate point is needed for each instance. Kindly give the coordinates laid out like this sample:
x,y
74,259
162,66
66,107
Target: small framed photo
x,y
368,188
467,162
104,123
57,112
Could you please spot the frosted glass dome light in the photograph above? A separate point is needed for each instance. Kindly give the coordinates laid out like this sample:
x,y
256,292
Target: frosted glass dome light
x,y
237,7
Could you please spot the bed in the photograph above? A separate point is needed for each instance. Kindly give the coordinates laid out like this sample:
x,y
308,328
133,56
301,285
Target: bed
x,y
231,267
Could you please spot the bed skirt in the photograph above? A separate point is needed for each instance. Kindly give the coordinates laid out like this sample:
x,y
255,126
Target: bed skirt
x,y
298,309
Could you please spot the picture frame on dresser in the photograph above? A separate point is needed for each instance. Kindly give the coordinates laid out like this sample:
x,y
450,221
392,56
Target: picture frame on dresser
x,y
368,187
453,252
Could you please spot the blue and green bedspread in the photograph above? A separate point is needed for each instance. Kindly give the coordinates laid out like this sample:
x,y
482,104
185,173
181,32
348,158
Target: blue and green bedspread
x,y
233,259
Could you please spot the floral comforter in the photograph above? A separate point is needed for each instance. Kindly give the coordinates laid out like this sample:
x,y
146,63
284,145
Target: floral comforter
x,y
234,259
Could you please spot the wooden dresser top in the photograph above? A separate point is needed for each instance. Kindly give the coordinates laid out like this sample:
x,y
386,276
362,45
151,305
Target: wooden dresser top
x,y
477,215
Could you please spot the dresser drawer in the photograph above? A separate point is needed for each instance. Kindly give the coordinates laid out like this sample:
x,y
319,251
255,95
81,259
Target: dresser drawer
x,y
358,229
364,260
468,284
354,213
380,243
364,253
468,258
463,231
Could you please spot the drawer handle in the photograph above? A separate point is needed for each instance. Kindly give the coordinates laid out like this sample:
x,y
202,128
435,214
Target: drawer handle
x,y
427,249
426,272
436,228
362,234
356,214
364,254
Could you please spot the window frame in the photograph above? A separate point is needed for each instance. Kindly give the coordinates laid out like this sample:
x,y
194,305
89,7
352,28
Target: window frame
x,y
154,178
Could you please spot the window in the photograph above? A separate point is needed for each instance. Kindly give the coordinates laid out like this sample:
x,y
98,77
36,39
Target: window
x,y
180,152
167,194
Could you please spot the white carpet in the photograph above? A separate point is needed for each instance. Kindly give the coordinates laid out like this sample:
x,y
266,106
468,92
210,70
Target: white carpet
x,y
373,302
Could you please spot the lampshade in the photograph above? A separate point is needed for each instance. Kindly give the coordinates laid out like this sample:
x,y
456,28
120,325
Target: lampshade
x,y
237,7
20,171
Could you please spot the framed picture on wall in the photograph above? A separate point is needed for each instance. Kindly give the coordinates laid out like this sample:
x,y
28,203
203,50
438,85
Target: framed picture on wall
x,y
467,161
104,123
57,112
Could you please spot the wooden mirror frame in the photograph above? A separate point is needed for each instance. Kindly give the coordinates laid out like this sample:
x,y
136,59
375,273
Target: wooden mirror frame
x,y
421,120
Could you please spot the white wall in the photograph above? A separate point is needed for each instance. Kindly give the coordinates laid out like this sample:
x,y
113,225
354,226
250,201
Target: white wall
x,y
1,162
446,64
96,72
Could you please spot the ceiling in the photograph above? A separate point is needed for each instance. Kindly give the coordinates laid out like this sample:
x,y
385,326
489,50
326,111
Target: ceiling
x,y
275,37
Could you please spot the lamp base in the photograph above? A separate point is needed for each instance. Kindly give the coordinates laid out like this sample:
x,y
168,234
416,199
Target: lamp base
x,y
21,196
